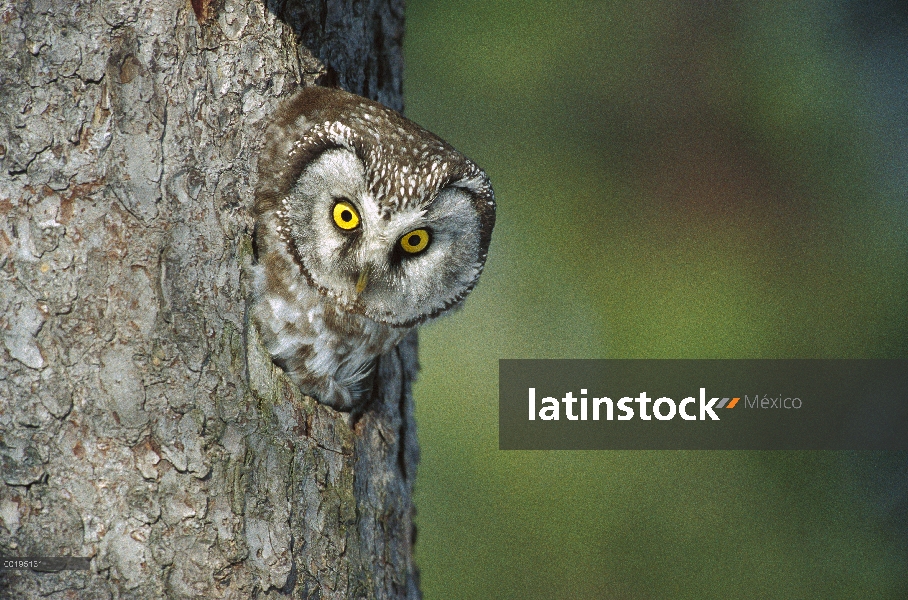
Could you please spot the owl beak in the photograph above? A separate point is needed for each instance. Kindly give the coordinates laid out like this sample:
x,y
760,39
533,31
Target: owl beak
x,y
362,281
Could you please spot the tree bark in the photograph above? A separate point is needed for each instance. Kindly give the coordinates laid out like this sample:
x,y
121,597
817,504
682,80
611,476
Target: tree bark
x,y
141,422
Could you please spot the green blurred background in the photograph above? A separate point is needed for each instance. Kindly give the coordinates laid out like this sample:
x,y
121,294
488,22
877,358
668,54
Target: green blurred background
x,y
674,180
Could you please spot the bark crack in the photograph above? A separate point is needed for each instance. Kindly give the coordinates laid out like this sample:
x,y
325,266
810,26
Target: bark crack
x,y
148,334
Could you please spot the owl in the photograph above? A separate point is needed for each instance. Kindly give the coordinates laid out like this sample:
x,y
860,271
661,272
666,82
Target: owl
x,y
367,225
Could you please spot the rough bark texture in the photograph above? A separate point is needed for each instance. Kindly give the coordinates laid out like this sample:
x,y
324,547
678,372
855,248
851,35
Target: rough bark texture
x,y
141,424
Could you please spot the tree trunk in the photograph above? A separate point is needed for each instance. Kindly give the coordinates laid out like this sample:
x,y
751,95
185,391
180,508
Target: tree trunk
x,y
141,422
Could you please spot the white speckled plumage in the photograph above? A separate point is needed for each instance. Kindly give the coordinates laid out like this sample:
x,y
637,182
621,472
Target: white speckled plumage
x,y
329,300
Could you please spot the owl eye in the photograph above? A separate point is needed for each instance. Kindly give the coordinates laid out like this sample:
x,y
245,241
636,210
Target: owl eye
x,y
415,241
345,215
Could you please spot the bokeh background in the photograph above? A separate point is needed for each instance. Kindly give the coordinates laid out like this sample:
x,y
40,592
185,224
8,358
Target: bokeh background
x,y
675,180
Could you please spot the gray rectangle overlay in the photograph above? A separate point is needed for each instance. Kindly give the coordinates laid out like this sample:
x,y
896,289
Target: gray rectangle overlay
x,y
47,564
784,404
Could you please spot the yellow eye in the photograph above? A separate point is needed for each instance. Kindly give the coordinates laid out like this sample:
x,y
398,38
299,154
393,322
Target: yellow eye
x,y
415,241
345,215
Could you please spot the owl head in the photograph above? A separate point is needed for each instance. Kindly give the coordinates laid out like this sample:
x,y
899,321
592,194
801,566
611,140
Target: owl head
x,y
378,214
